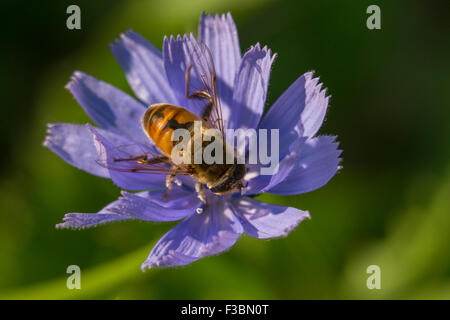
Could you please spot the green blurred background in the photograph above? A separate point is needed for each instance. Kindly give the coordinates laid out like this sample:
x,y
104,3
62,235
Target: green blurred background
x,y
389,206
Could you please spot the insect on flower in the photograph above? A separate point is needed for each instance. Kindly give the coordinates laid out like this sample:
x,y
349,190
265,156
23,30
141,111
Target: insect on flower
x,y
202,80
162,119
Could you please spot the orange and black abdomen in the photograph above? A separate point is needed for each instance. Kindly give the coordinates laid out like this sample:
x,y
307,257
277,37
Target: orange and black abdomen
x,y
160,121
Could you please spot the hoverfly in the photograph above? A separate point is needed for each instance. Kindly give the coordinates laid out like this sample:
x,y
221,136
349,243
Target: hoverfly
x,y
161,120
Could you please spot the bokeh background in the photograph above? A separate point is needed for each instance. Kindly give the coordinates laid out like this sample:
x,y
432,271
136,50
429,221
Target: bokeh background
x,y
389,206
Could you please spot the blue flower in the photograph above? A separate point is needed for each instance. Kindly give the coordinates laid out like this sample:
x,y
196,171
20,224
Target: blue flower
x,y
307,161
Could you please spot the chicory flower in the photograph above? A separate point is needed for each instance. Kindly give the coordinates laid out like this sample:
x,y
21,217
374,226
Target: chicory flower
x,y
307,161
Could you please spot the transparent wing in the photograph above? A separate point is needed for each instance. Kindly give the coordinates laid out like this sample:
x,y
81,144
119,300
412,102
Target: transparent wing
x,y
138,159
204,70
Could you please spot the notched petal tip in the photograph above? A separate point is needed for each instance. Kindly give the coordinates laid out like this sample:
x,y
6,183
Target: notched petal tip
x,y
163,261
169,40
48,138
46,143
88,220
77,74
70,222
264,51
218,16
128,34
67,225
301,218
63,225
315,83
75,79
72,82
147,266
50,130
307,215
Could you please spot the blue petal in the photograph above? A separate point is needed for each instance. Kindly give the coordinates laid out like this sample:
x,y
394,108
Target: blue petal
x,y
211,232
264,221
264,183
250,88
178,54
149,210
142,206
120,172
86,220
144,68
108,107
220,34
178,198
305,103
74,144
317,164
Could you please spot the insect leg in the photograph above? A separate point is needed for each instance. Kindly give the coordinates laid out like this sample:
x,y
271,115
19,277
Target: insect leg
x,y
143,159
154,160
207,111
169,183
138,158
199,94
187,77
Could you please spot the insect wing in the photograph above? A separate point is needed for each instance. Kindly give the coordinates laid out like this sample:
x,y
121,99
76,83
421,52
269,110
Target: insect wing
x,y
137,159
205,71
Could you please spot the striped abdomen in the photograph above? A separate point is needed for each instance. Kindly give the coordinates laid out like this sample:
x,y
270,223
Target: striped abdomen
x,y
160,121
